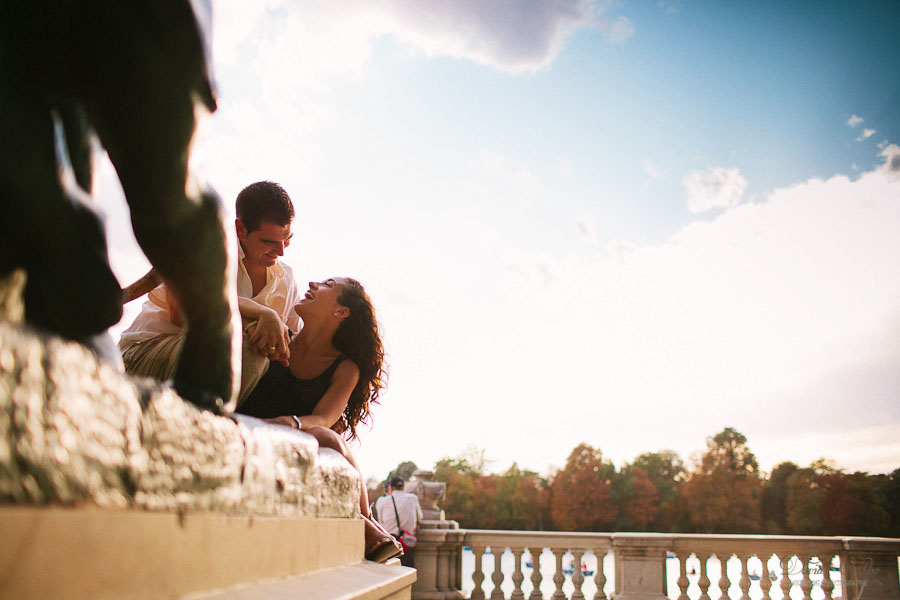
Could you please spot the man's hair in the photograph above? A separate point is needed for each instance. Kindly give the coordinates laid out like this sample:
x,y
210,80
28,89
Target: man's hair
x,y
397,483
264,201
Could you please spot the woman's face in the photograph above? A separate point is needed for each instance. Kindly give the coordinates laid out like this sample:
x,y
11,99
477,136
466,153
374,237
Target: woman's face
x,y
322,297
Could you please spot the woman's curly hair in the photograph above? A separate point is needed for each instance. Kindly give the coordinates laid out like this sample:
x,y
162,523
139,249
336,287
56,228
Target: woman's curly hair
x,y
358,339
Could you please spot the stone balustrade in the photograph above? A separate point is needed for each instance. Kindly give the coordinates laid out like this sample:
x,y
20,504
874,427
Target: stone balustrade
x,y
650,566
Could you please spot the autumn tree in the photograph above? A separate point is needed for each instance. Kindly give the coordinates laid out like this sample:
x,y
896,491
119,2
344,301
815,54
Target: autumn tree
x,y
665,470
522,500
722,492
581,492
459,475
638,499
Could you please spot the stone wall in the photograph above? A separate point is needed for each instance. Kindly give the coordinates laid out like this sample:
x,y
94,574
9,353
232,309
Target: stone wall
x,y
74,430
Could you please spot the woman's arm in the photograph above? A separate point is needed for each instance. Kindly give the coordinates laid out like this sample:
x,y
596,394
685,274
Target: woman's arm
x,y
329,409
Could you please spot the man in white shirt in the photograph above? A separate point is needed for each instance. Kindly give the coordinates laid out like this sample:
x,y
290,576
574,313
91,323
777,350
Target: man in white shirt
x,y
267,294
403,505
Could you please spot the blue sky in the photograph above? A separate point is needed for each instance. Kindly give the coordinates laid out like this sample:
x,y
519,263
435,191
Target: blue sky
x,y
628,224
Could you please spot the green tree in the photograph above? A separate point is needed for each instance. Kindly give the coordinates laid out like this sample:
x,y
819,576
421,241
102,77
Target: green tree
x,y
581,493
460,475
404,470
722,492
522,499
889,499
666,472
803,505
773,504
638,499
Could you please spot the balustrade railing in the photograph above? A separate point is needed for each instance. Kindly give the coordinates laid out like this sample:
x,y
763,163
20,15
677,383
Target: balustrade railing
x,y
519,565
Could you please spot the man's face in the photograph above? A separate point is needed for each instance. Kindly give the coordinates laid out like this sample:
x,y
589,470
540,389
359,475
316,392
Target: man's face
x,y
264,246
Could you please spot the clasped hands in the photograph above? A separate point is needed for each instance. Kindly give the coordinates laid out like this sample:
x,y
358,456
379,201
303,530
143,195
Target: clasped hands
x,y
270,338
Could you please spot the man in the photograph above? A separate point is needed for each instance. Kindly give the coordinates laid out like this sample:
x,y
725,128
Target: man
x,y
267,294
397,503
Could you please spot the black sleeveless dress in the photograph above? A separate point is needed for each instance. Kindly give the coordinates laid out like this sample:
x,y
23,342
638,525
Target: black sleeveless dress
x,y
279,393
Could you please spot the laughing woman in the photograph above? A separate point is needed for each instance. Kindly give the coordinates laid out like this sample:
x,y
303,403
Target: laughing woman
x,y
335,372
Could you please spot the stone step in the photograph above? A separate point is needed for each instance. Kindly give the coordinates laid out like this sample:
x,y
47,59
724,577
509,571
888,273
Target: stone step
x,y
92,552
362,581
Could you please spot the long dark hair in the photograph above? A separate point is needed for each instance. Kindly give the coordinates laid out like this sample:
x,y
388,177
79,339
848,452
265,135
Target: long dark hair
x,y
358,339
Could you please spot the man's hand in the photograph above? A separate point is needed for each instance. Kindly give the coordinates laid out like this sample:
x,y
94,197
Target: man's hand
x,y
270,337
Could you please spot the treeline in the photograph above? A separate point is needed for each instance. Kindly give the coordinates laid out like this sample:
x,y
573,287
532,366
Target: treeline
x,y
725,492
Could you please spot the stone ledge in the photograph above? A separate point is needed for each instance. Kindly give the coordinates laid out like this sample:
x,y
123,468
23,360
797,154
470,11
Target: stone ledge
x,y
74,430
104,553
361,581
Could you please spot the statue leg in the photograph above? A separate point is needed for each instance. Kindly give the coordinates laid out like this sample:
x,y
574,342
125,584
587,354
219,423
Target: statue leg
x,y
143,111
48,229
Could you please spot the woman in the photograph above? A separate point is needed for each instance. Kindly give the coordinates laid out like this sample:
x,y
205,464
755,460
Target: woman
x,y
335,372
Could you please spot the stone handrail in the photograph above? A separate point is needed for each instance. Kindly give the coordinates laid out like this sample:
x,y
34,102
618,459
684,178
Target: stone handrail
x,y
652,566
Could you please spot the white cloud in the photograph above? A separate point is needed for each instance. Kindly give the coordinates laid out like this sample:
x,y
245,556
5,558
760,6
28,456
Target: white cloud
x,y
891,154
866,134
617,30
714,188
511,35
310,41
854,120
587,229
652,170
780,317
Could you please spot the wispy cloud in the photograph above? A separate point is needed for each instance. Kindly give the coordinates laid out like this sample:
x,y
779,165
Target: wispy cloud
x,y
651,169
854,120
508,171
866,134
587,229
714,188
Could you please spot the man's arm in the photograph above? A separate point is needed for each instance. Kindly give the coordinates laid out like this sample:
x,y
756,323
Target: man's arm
x,y
269,336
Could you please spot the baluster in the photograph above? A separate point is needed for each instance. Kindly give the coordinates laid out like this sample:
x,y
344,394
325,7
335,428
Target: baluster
x,y
704,580
827,584
683,581
517,576
497,577
765,579
559,577
724,582
600,576
577,575
536,576
785,576
806,582
745,576
477,574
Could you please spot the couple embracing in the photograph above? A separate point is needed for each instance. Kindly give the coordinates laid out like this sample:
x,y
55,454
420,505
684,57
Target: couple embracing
x,y
313,362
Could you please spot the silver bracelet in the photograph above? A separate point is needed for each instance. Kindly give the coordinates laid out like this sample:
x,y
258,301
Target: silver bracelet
x,y
297,421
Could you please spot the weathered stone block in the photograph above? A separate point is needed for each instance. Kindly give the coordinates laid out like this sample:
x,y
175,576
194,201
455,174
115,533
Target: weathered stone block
x,y
73,429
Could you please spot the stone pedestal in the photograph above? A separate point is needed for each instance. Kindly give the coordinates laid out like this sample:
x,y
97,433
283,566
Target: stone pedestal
x,y
113,487
640,568
868,572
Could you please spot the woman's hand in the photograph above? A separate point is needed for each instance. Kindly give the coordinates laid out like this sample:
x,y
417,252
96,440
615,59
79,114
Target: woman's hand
x,y
287,421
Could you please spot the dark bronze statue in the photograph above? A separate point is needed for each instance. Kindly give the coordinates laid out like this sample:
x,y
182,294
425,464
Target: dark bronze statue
x,y
130,73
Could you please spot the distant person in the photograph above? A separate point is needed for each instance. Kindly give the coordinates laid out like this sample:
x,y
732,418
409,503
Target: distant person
x,y
399,511
266,291
335,372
